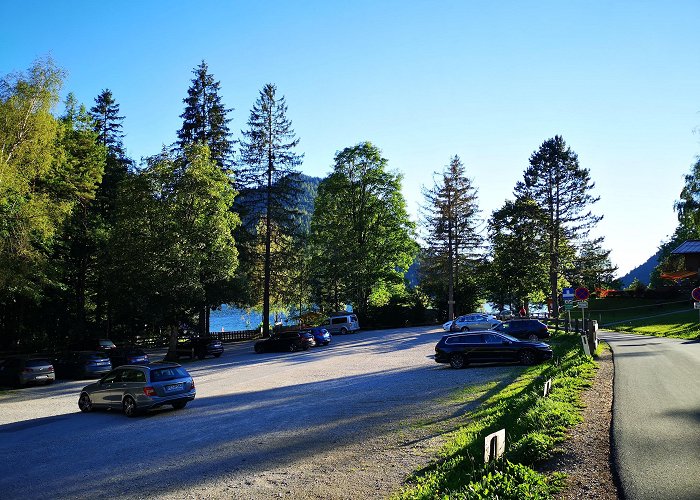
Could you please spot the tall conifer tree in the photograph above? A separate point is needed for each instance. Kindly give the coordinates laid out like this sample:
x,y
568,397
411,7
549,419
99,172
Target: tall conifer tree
x,y
268,177
450,219
205,118
562,190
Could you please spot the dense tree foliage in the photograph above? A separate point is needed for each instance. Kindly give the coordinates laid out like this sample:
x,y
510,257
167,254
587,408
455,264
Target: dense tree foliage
x,y
562,190
518,270
205,118
92,245
450,222
173,244
361,235
268,177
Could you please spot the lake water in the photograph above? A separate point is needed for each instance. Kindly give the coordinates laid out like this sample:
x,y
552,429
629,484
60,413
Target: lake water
x,y
231,319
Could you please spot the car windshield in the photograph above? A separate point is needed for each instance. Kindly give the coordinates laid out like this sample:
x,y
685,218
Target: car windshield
x,y
512,339
169,373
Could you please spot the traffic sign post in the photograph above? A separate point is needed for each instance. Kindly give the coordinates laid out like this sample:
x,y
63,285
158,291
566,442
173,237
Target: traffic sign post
x,y
568,295
582,295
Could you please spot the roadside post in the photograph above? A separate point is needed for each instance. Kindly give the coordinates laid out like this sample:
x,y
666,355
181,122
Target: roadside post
x,y
582,295
696,297
568,295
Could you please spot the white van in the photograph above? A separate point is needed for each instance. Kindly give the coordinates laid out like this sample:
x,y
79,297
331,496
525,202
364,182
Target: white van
x,y
341,323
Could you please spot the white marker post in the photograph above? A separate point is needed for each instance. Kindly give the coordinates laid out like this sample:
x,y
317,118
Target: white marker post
x,y
494,445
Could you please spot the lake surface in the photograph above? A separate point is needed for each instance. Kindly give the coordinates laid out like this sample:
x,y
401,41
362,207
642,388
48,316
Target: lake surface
x,y
231,319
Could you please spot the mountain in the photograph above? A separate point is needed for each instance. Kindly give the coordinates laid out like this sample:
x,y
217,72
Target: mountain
x,y
250,204
642,272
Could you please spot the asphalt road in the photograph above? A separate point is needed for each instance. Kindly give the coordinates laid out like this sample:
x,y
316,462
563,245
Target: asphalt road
x,y
253,415
656,416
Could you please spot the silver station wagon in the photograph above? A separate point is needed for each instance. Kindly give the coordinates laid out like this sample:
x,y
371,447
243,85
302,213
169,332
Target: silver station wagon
x,y
137,388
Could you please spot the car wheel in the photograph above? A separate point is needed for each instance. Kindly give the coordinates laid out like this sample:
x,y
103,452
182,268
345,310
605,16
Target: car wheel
x,y
217,355
464,329
343,331
85,403
129,407
179,405
527,357
292,348
457,361
259,348
532,336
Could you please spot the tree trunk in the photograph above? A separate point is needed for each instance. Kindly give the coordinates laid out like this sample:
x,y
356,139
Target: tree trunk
x,y
172,345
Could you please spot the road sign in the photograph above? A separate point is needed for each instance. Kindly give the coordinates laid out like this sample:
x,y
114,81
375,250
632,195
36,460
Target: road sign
x,y
696,294
583,304
697,305
582,293
568,306
567,293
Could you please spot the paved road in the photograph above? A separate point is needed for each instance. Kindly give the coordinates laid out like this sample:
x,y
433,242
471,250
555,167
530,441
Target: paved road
x,y
254,416
656,416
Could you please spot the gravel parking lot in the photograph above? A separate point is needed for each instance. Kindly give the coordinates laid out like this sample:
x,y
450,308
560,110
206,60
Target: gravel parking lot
x,y
343,421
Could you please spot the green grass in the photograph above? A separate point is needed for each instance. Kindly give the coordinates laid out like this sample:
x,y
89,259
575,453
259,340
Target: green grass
x,y
670,318
534,425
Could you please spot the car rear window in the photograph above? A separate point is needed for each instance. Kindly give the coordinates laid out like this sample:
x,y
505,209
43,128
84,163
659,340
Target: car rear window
x,y
37,362
94,355
337,321
170,373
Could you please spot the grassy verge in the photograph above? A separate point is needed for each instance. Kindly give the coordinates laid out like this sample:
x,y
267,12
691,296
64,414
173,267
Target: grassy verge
x,y
533,426
683,325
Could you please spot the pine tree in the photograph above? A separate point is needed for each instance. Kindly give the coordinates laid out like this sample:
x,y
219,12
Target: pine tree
x,y
450,220
108,124
268,177
205,118
562,190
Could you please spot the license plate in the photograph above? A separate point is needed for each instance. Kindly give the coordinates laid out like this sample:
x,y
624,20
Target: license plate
x,y
42,376
174,387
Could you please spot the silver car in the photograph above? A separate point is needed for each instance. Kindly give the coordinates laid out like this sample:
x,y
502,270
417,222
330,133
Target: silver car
x,y
137,388
471,322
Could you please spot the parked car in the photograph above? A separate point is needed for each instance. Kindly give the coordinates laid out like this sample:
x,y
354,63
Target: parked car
x,y
530,329
341,323
92,345
128,355
504,315
488,347
137,388
321,335
286,341
476,321
20,371
200,347
82,364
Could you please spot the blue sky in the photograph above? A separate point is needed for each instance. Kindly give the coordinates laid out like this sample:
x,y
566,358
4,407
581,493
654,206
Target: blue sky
x,y
488,81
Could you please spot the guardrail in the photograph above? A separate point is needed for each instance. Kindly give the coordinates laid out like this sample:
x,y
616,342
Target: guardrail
x,y
236,336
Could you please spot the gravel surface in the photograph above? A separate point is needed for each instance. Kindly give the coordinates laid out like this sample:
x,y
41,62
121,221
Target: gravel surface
x,y
345,422
350,420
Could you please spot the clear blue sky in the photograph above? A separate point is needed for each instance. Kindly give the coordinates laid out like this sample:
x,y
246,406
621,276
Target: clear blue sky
x,y
423,80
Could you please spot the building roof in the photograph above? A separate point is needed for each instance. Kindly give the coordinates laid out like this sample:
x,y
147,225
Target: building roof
x,y
689,246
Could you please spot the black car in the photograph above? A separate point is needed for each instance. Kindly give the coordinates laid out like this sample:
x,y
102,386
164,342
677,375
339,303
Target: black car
x,y
488,347
128,355
286,341
530,329
200,347
82,364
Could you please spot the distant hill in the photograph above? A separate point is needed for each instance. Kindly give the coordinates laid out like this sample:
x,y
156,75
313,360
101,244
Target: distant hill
x,y
250,204
642,272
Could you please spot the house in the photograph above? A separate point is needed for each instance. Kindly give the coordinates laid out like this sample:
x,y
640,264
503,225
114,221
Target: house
x,y
687,257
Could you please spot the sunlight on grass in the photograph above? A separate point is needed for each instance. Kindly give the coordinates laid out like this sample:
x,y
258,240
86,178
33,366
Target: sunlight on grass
x,y
534,425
